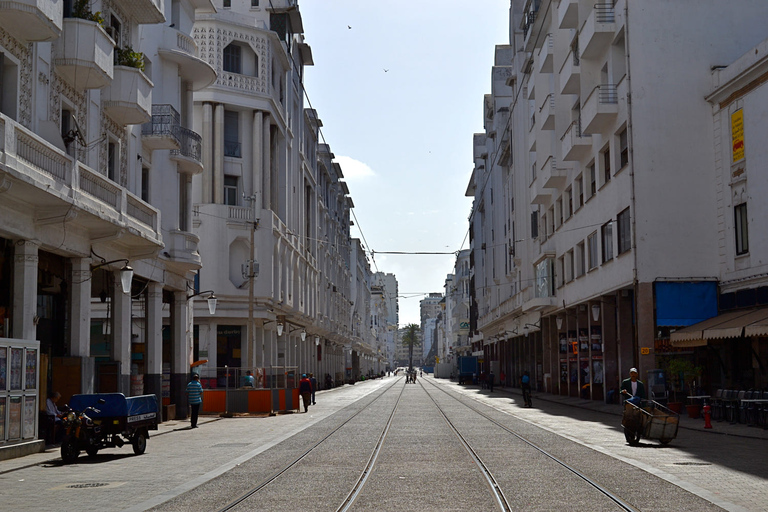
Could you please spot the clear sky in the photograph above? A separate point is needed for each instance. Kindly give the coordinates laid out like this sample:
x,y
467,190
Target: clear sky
x,y
399,88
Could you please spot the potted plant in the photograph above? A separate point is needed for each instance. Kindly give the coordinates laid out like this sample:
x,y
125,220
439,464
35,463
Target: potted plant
x,y
127,57
81,9
684,371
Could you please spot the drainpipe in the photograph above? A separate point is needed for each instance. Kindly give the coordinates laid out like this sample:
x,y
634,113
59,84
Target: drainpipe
x,y
630,136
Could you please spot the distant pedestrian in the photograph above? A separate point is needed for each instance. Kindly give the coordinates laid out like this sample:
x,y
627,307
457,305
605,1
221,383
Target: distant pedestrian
x,y
195,398
491,378
305,390
525,382
313,380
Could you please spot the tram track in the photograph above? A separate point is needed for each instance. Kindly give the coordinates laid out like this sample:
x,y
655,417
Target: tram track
x,y
349,500
620,503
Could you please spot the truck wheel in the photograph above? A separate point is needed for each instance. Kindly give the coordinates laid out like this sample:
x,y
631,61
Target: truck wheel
x,y
139,443
69,451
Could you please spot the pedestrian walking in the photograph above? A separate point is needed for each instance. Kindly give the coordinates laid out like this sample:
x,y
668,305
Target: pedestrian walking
x,y
195,398
313,380
491,378
305,390
525,383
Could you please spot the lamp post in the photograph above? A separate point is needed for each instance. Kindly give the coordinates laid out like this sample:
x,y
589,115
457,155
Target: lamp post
x,y
126,273
212,300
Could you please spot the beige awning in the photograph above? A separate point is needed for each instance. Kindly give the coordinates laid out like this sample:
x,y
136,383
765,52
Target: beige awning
x,y
726,325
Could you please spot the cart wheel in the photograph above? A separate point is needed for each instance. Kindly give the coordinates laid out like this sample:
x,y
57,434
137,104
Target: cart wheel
x,y
139,442
69,451
92,451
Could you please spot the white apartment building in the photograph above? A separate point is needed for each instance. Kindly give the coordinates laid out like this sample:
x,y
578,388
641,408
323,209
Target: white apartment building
x,y
385,304
271,208
99,258
457,303
738,334
594,183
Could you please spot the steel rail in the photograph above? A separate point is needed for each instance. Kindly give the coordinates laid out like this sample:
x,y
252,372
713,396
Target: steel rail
x,y
623,505
352,496
298,459
501,500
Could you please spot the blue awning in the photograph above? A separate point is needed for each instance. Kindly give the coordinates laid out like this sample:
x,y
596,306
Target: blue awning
x,y
680,304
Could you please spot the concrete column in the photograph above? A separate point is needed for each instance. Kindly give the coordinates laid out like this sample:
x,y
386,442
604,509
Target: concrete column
x,y
80,308
208,144
257,176
153,377
121,333
267,165
25,289
646,329
218,154
180,353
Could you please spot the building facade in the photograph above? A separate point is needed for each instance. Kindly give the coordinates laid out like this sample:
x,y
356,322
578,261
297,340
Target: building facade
x,y
578,273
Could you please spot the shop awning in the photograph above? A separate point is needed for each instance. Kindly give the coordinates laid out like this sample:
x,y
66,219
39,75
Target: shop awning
x,y
751,322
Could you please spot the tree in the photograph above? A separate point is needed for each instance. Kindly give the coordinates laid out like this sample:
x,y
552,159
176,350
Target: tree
x,y
409,338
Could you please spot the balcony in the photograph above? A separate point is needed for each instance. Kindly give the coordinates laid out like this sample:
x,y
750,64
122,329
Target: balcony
x,y
547,113
128,99
183,248
575,145
51,180
531,24
600,109
570,74
188,157
162,131
550,176
539,193
145,12
546,54
32,20
598,31
84,55
180,48
568,14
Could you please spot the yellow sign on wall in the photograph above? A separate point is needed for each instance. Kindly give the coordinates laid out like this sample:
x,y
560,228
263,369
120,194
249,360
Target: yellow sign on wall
x,y
645,350
737,134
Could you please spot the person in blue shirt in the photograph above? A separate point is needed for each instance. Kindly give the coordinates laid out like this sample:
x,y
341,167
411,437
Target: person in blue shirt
x,y
195,397
525,381
248,381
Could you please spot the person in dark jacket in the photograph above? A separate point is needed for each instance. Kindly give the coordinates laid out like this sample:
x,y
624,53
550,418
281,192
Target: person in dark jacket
x,y
632,387
313,380
305,390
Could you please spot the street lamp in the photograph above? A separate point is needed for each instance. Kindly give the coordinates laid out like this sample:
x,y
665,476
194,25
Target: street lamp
x,y
595,312
279,328
303,334
212,300
126,273
317,341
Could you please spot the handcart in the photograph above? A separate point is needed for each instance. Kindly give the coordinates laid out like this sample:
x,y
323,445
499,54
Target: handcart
x,y
648,419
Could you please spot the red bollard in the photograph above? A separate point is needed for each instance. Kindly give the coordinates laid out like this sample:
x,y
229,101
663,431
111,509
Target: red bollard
x,y
707,410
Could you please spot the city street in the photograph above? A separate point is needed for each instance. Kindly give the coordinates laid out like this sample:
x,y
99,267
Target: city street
x,y
210,466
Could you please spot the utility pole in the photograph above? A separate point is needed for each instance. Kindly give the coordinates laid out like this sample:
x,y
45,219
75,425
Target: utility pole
x,y
251,272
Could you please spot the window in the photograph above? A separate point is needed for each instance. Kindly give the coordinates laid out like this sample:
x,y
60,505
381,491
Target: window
x,y
67,133
592,247
740,228
112,159
606,233
145,184
544,232
183,203
592,180
254,3
579,264
579,187
8,88
227,4
233,58
551,225
623,149
115,31
569,266
623,231
230,190
569,203
232,133
606,165
560,271
559,211
534,225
